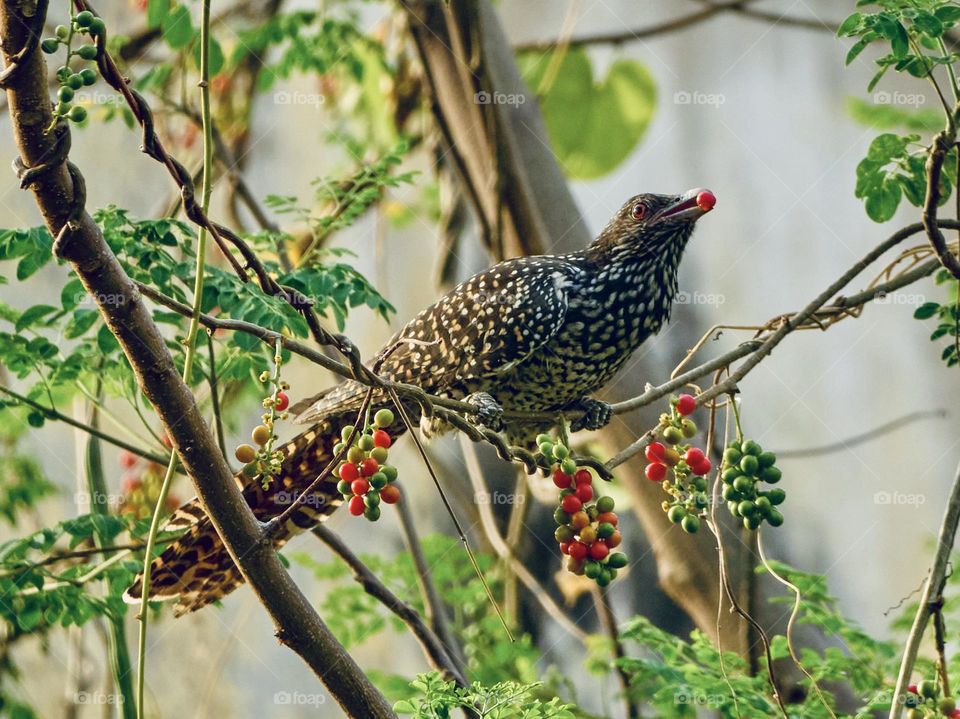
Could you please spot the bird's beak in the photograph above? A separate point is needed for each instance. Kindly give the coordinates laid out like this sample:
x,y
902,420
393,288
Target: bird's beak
x,y
689,206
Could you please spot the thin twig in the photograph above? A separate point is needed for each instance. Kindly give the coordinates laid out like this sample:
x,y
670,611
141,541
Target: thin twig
x,y
601,600
870,434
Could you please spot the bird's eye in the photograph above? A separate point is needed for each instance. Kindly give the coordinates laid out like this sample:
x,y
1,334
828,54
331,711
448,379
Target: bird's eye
x,y
639,211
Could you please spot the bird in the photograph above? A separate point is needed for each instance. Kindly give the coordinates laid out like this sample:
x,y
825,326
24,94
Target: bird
x,y
531,334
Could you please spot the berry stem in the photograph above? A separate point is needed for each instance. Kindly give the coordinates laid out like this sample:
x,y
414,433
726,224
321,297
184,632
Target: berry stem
x,y
736,416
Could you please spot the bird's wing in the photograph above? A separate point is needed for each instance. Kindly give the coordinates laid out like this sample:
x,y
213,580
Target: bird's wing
x,y
482,328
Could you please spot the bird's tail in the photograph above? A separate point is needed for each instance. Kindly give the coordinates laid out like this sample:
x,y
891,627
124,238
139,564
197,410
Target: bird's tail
x,y
197,569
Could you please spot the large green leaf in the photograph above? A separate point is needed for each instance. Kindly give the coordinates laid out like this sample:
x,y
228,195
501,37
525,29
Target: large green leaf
x,y
593,125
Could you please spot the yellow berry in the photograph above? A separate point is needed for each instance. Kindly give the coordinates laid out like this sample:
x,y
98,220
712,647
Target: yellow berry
x,y
261,434
245,453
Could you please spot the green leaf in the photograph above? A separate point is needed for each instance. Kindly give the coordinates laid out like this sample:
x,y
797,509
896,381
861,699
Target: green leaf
x,y
928,24
178,28
80,323
72,294
32,315
857,48
216,56
926,311
594,126
851,25
157,11
882,205
947,13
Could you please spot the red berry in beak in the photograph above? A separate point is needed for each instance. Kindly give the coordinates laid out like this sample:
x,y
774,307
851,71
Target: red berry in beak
x,y
706,200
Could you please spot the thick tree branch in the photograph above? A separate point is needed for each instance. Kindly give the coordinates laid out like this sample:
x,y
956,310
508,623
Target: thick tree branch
x,y
58,189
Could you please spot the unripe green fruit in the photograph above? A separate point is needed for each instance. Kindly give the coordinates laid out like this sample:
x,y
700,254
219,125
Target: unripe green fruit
x,y
747,508
339,447
50,45
355,455
947,705
543,437
77,114
749,465
763,505
690,524
593,512
88,76
688,428
592,569
743,484
776,496
343,486
730,492
767,459
700,483
383,418
97,27
604,578
563,534
546,449
84,18
390,471
605,504
567,466
378,481
561,451
74,81
365,442
732,456
734,508
87,52
731,473
672,435
752,522
774,518
380,454
346,433
560,517
371,499
617,560
751,447
771,475
62,31
928,688
676,514
605,530
372,513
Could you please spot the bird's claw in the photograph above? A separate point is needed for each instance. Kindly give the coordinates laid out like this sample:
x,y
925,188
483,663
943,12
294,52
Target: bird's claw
x,y
596,415
489,412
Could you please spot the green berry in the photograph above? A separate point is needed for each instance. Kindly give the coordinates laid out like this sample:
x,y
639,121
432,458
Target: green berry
x,y
617,560
87,52
561,452
97,27
700,483
690,524
734,508
347,432
390,471
749,465
77,114
63,72
380,454
947,705
593,512
371,499
928,688
604,578
50,45
546,449
365,442
767,459
732,456
676,514
743,484
378,481
560,517
372,513
774,518
563,533
65,93
383,418
605,504
752,522
672,435
731,473
355,455
734,444
343,486
763,505
605,530
776,496
751,447
62,31
84,18
88,76
688,428
612,573
592,569
567,466
543,437
747,508
339,447
74,81
730,493
771,475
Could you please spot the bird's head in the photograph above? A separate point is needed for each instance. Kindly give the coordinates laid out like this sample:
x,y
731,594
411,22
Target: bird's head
x,y
654,224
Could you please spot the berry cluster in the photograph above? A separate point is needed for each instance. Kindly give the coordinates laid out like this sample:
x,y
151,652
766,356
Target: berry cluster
x,y
680,467
587,530
263,462
365,478
140,487
745,465
83,23
925,702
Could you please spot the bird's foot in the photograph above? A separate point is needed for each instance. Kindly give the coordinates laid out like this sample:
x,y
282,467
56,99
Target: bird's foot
x,y
596,415
489,412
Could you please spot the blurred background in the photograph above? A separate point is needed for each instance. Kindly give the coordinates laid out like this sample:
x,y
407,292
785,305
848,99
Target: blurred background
x,y
757,110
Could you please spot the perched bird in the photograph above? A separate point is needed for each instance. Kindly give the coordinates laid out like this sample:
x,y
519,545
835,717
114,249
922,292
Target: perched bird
x,y
529,334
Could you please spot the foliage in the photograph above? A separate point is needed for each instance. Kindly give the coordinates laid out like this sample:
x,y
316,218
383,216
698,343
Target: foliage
x,y
504,700
948,319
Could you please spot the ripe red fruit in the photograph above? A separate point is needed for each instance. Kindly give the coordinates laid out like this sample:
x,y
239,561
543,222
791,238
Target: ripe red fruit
x,y
702,468
955,714
599,550
656,472
614,540
359,486
694,456
686,404
282,402
584,492
381,439
356,506
564,547
577,550
706,200
583,476
655,452
369,467
390,494
913,689
348,472
127,459
608,517
571,504
560,479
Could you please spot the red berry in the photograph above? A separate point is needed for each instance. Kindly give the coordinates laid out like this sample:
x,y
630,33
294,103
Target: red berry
x,y
584,492
131,483
348,472
583,476
702,468
655,452
955,714
359,486
390,494
381,438
564,547
369,467
686,404
356,506
577,550
608,517
706,200
656,472
599,550
694,456
571,504
127,459
614,540
282,402
913,689
560,479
